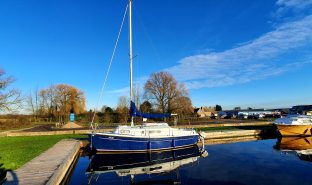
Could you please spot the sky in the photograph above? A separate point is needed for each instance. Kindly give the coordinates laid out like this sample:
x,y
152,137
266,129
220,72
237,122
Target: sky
x,y
235,53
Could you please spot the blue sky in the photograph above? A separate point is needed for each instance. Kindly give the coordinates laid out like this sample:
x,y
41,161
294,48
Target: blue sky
x,y
234,53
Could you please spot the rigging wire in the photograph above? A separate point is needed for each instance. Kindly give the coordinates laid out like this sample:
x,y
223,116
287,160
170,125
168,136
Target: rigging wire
x,y
148,36
109,66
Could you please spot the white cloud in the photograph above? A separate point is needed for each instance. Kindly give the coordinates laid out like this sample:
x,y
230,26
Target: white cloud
x,y
125,91
253,60
250,61
121,92
297,6
300,4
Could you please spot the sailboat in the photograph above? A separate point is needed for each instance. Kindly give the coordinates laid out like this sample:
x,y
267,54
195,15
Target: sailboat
x,y
145,137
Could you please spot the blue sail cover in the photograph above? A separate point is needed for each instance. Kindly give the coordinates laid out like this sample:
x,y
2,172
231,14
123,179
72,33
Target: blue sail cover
x,y
136,113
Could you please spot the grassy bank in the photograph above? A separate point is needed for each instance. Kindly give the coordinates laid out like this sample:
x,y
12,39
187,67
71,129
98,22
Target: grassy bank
x,y
16,151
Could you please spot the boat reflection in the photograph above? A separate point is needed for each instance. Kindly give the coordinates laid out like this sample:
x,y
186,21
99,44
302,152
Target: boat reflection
x,y
302,146
294,143
133,164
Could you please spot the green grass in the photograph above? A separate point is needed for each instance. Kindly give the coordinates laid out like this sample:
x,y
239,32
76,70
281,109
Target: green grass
x,y
16,151
249,127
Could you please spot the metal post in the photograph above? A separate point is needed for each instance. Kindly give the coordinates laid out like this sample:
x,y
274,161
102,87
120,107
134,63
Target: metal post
x,y
130,53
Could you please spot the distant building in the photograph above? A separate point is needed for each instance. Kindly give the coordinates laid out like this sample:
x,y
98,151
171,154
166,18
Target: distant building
x,y
237,108
204,112
300,109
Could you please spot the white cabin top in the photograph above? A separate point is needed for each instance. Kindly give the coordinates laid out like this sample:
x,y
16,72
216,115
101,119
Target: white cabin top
x,y
155,124
152,130
295,120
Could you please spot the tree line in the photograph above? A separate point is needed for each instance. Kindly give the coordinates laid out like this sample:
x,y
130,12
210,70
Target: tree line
x,y
56,102
162,94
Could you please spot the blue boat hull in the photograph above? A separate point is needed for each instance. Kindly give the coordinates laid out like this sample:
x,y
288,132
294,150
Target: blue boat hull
x,y
102,142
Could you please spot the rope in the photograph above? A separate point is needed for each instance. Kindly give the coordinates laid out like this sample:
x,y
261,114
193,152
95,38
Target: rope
x,y
109,66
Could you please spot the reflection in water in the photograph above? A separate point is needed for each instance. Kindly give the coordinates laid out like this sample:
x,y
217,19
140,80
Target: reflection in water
x,y
242,163
302,146
134,164
305,155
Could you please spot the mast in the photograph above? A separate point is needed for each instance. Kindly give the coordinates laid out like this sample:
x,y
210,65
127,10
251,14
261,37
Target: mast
x,y
130,54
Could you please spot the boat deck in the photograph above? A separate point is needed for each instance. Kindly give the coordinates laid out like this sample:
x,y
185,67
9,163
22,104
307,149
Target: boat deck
x,y
48,168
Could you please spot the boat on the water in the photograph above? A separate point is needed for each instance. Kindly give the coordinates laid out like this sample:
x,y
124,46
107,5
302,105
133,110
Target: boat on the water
x,y
294,125
145,137
134,164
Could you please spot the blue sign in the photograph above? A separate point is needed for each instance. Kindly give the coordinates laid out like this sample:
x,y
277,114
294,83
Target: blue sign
x,y
72,117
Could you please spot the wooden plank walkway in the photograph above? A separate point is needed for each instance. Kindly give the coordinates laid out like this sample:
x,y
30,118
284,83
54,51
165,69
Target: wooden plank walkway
x,y
231,133
206,125
48,168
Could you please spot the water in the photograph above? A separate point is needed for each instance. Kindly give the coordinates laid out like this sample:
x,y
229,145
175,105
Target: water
x,y
244,163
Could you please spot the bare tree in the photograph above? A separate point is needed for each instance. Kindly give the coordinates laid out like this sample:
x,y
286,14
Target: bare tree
x,y
43,103
50,98
10,99
107,113
136,95
183,105
165,92
57,101
107,109
67,98
32,102
146,107
122,109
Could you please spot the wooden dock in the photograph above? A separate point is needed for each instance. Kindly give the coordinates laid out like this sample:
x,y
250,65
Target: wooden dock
x,y
48,168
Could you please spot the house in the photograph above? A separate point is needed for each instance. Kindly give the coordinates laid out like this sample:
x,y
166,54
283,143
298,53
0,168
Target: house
x,y
204,112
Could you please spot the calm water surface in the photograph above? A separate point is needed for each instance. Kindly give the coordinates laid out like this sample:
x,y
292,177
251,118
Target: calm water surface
x,y
244,163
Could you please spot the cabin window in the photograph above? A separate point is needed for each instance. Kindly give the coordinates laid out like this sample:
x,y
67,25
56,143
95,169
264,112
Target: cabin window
x,y
154,131
125,131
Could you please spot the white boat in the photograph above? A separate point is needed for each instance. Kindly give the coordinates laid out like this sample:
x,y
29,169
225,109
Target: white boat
x,y
145,137
295,125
